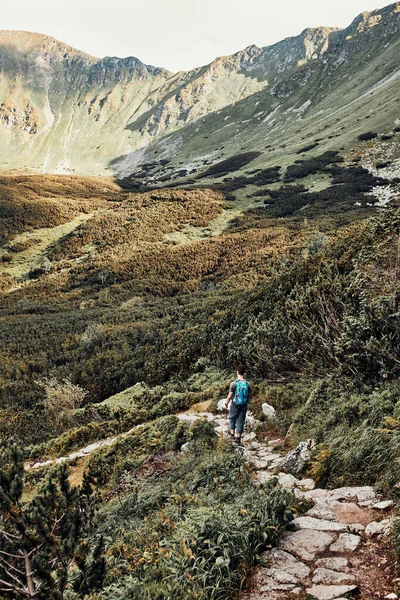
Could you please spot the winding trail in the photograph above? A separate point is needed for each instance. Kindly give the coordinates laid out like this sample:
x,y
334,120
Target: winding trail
x,y
340,548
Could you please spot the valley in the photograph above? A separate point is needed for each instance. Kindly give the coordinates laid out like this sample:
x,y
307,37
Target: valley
x,y
157,231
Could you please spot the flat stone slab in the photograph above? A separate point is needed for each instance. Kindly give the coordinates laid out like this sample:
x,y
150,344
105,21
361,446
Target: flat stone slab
x,y
329,592
383,505
361,493
318,524
347,542
330,577
306,543
335,563
322,510
278,559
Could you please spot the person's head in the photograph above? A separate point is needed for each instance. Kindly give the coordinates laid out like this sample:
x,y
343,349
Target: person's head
x,y
241,371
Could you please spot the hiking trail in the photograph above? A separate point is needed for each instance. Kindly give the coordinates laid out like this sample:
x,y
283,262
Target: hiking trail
x,y
340,548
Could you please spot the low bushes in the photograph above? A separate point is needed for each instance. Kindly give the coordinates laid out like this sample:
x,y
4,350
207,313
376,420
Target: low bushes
x,y
193,532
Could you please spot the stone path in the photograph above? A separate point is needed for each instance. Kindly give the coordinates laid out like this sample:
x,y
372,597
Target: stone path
x,y
340,548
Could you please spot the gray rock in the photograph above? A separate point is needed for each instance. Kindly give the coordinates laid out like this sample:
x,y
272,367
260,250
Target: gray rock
x,y
279,559
295,460
361,493
378,527
264,476
305,543
249,437
335,563
268,411
286,480
347,542
322,511
329,577
185,447
329,592
318,524
383,505
306,484
221,405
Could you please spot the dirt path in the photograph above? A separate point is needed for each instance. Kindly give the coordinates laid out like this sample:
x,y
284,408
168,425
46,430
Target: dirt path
x,y
37,242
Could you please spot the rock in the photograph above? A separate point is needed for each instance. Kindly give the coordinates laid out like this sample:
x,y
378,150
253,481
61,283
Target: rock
x,y
268,411
329,577
347,542
391,596
264,476
295,460
322,511
362,494
329,592
318,524
383,506
251,422
317,494
306,484
185,447
267,580
286,480
335,563
279,559
221,405
249,437
305,543
378,527
254,446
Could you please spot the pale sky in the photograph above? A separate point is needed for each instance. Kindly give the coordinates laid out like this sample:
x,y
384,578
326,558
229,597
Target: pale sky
x,y
175,34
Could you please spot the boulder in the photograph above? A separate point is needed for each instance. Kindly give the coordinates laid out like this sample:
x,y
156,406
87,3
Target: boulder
x,y
269,412
295,460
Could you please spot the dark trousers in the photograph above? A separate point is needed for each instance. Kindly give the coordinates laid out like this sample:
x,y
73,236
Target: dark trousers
x,y
237,417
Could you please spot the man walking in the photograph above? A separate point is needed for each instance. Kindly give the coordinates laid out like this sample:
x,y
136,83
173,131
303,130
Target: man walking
x,y
239,393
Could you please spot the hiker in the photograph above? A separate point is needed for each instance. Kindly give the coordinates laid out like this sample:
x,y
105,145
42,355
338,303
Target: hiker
x,y
239,393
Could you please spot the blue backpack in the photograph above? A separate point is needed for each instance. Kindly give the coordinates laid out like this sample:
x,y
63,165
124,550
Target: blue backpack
x,y
242,392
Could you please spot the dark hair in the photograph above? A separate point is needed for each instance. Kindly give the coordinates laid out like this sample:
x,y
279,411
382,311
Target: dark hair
x,y
241,371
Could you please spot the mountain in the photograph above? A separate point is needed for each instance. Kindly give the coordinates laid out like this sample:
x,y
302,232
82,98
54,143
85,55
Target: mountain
x,y
62,110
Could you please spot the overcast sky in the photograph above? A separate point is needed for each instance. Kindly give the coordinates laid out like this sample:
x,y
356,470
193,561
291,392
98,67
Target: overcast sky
x,y
175,34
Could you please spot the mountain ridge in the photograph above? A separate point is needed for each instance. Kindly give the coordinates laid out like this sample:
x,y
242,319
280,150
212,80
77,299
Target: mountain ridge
x,y
63,110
